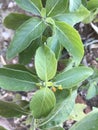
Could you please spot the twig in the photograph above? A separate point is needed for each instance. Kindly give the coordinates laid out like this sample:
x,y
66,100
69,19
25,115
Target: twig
x,y
2,60
90,43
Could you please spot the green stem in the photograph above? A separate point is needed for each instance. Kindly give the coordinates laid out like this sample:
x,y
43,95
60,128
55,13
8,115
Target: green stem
x,y
33,125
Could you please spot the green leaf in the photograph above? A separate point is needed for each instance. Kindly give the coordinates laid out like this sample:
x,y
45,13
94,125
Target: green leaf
x,y
22,68
17,80
38,4
42,103
45,63
23,104
91,91
60,112
74,17
61,95
25,56
55,7
92,4
90,122
77,114
14,20
72,77
10,109
94,77
28,6
55,128
74,5
1,128
53,44
17,67
70,39
91,17
84,2
25,34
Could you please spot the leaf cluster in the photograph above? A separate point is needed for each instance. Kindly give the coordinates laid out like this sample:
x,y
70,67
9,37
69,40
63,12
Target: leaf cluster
x,y
42,36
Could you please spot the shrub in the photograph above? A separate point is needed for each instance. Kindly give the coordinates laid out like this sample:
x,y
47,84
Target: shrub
x,y
43,35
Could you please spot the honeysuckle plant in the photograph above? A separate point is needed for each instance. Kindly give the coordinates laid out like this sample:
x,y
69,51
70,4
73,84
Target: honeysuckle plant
x,y
42,35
